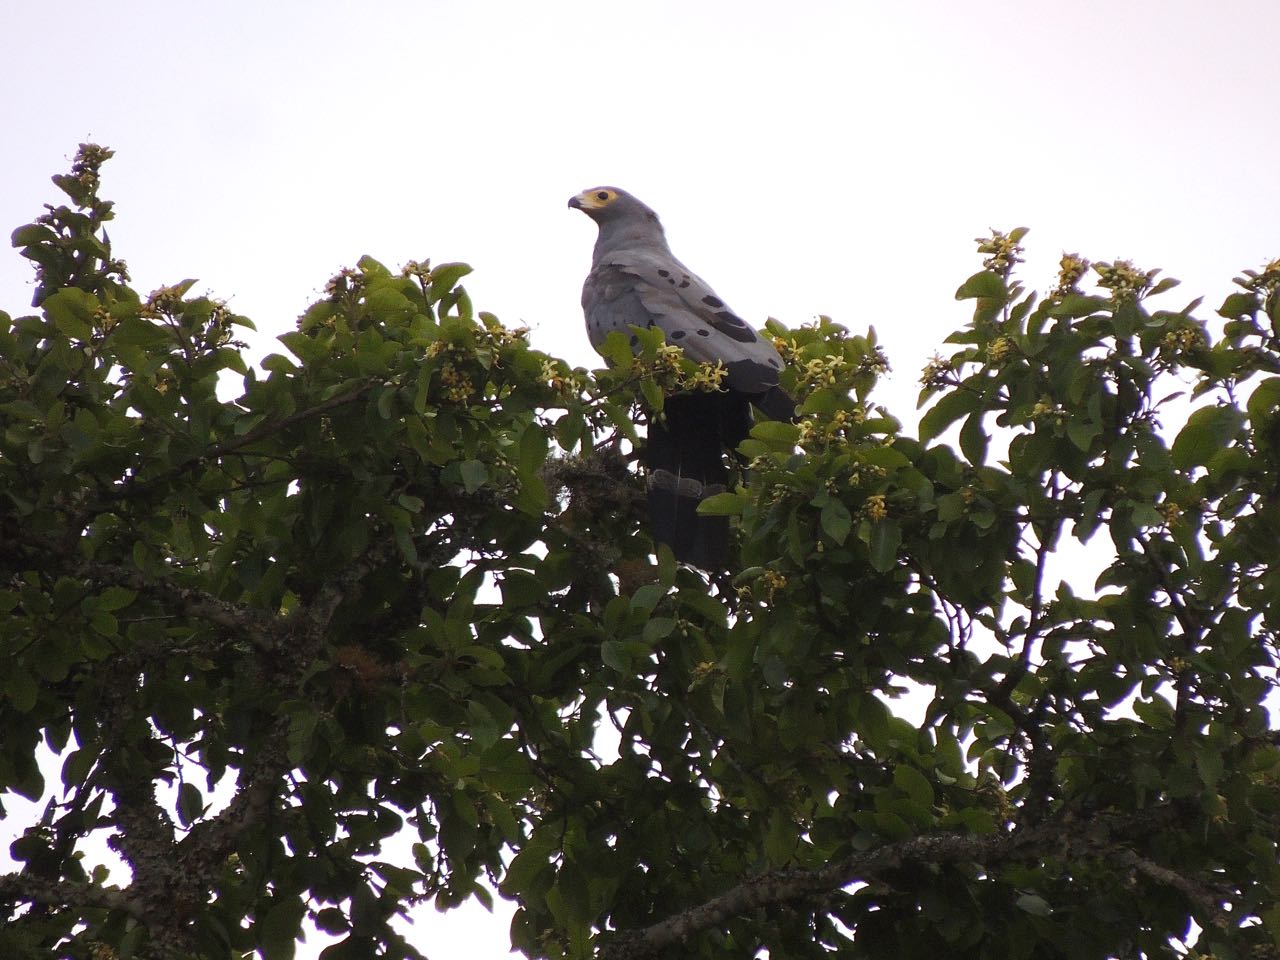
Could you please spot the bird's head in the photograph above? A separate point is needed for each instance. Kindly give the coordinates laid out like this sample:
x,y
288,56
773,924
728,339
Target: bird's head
x,y
610,205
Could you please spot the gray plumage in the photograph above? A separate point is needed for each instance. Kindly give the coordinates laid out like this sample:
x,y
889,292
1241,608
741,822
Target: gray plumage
x,y
635,281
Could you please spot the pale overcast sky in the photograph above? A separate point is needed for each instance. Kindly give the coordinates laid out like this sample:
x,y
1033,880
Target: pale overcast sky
x,y
806,157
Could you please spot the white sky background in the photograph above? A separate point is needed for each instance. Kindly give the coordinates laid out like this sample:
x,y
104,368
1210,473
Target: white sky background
x,y
807,157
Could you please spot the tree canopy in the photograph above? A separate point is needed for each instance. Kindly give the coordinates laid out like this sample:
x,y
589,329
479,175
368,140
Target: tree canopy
x,y
260,622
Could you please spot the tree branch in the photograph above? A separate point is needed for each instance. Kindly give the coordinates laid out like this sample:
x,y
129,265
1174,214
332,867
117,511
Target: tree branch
x,y
265,429
209,843
18,887
269,427
264,629
789,885
1207,898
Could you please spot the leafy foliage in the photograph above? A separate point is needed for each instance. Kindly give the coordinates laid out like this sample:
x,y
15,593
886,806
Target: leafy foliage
x,y
399,584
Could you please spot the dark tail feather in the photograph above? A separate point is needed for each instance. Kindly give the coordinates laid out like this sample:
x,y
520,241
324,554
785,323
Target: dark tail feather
x,y
685,458
776,404
674,520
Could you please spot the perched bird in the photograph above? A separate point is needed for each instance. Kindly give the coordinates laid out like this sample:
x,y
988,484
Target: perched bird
x,y
636,282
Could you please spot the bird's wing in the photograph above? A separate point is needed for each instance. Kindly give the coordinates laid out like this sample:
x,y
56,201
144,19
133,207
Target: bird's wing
x,y
649,289
611,302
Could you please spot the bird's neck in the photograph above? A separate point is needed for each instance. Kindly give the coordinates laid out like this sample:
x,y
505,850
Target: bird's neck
x,y
629,236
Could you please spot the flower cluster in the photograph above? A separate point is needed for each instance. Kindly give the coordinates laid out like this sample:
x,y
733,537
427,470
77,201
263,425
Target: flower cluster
x,y
1071,269
874,508
786,348
667,366
705,672
875,362
999,349
773,581
503,336
103,320
459,385
838,427
1180,341
1124,280
1048,411
1003,251
1266,282
708,377
823,371
667,359
345,281
938,372
164,301
560,378
89,158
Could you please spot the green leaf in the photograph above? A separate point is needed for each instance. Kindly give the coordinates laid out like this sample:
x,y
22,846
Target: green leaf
x,y
985,284
1207,431
780,839
657,628
278,930
71,309
22,690
705,605
190,803
533,449
914,784
836,520
616,350
1082,432
1239,305
614,654
1034,905
727,504
1075,306
521,589
647,596
882,541
114,598
1264,400
411,503
32,234
1209,763
77,766
973,439
104,623
776,431
474,475
652,393
445,276
949,408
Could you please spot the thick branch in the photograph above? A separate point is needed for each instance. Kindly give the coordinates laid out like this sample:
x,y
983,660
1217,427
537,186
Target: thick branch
x,y
782,886
209,843
1207,898
263,629
260,627
21,888
1094,838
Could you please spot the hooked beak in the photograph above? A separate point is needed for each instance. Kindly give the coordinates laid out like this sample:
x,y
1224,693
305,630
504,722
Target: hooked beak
x,y
589,201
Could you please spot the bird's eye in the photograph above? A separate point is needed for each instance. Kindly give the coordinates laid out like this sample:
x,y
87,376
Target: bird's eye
x,y
602,195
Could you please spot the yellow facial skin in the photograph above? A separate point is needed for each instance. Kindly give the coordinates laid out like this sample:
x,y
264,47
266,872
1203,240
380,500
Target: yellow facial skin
x,y
597,198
